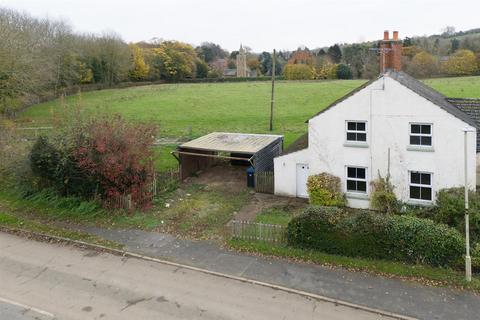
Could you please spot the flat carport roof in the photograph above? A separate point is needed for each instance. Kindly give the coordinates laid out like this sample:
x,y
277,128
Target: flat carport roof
x,y
244,143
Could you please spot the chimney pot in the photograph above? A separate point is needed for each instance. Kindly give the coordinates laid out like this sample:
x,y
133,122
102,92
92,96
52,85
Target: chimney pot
x,y
386,35
395,35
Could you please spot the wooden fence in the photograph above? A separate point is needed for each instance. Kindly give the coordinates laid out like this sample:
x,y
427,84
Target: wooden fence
x,y
246,230
264,182
160,182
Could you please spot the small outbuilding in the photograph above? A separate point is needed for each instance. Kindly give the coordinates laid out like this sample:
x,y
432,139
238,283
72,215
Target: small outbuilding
x,y
255,150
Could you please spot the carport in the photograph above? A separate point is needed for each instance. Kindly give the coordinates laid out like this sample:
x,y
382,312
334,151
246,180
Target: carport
x,y
256,150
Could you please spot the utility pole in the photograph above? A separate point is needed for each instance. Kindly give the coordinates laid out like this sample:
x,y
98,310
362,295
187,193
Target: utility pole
x,y
273,91
468,259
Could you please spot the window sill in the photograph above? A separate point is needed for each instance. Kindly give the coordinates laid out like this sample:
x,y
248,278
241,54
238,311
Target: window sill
x,y
422,203
357,195
420,148
354,144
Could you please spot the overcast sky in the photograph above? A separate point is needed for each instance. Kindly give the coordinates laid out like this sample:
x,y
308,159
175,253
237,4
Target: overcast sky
x,y
259,24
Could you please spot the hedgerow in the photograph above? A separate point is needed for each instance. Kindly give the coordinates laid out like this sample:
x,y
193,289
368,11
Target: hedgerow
x,y
372,235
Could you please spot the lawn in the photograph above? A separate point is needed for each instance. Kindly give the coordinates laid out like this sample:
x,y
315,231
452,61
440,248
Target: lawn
x,y
185,111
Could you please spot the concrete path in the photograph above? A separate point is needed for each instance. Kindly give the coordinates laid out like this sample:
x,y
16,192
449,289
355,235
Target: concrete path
x,y
392,295
64,282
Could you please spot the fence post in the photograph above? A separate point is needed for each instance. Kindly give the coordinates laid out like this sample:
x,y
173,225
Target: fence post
x,y
129,202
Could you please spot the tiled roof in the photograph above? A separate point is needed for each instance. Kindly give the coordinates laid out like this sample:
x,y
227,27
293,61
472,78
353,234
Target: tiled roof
x,y
472,108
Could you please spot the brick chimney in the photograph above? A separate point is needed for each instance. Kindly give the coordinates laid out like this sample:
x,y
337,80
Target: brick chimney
x,y
390,53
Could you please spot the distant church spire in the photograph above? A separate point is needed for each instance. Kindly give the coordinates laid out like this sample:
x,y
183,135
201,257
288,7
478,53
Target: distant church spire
x,y
241,63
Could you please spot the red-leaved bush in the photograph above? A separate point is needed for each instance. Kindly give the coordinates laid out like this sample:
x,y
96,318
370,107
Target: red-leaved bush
x,y
118,155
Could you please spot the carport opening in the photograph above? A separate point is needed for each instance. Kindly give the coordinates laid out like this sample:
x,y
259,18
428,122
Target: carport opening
x,y
237,151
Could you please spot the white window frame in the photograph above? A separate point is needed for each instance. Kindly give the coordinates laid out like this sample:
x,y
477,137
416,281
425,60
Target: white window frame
x,y
420,134
347,131
356,179
410,184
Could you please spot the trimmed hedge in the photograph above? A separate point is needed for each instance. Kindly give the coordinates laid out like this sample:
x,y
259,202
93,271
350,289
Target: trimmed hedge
x,y
370,235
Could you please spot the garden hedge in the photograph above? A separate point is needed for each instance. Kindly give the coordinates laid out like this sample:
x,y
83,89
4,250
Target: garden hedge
x,y
371,235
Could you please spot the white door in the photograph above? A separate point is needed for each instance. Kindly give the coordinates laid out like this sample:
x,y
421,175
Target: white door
x,y
302,176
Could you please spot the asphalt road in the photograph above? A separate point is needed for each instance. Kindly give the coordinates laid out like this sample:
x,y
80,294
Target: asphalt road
x,y
53,281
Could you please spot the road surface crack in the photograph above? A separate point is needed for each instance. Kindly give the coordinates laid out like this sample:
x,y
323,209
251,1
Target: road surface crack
x,y
131,303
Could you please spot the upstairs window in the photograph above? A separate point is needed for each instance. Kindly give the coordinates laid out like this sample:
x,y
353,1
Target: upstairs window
x,y
420,186
357,131
420,134
356,179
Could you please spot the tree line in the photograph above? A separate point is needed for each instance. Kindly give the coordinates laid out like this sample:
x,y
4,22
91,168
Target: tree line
x,y
41,57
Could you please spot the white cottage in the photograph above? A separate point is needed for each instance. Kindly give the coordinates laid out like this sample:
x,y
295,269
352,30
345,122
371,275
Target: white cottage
x,y
393,123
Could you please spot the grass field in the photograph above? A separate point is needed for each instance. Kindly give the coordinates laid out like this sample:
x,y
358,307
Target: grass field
x,y
187,111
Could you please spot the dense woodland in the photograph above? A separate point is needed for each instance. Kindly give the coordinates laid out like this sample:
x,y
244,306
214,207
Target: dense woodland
x,y
44,58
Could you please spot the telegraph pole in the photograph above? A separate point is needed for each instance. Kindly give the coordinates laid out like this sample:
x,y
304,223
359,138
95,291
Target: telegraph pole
x,y
272,103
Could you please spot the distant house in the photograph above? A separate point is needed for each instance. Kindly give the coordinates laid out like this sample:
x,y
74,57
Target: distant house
x,y
394,124
230,73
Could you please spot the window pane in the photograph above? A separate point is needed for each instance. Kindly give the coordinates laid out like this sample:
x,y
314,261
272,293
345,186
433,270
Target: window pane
x,y
415,128
426,129
361,137
415,177
426,141
360,126
351,172
425,178
361,186
414,192
361,173
426,193
415,140
352,126
351,136
351,185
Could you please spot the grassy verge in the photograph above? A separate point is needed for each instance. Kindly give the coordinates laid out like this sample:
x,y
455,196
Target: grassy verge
x,y
278,216
421,273
13,222
193,211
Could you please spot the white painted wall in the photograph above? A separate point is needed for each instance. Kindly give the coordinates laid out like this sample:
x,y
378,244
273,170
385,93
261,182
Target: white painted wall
x,y
388,108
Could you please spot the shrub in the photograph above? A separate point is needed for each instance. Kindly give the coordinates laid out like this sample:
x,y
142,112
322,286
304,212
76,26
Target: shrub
x,y
119,155
450,209
298,72
104,157
325,189
370,235
383,198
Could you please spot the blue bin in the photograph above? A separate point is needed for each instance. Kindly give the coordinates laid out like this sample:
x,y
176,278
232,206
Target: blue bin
x,y
251,177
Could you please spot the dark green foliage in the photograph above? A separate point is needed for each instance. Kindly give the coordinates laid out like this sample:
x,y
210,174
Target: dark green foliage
x,y
44,159
57,168
335,53
450,210
202,69
344,71
370,235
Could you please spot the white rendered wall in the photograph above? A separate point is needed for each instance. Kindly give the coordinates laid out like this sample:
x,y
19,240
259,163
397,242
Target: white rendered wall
x,y
388,108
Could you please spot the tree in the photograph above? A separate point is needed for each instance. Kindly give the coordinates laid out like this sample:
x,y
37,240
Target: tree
x,y
175,60
301,57
140,68
423,65
327,71
209,52
253,64
344,71
298,72
454,45
202,69
462,62
335,53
